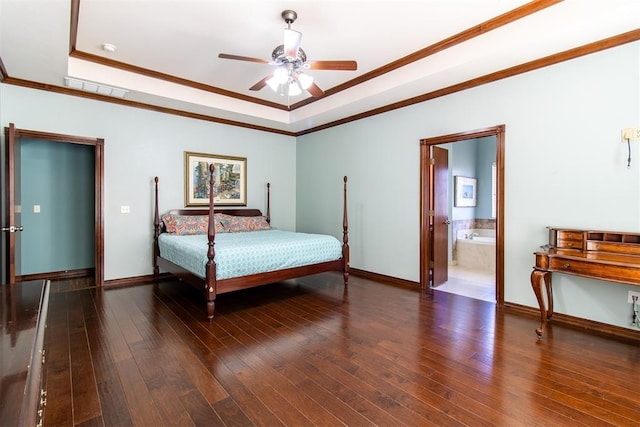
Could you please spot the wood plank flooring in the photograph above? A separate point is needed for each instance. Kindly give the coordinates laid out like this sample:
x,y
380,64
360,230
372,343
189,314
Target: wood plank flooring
x,y
310,352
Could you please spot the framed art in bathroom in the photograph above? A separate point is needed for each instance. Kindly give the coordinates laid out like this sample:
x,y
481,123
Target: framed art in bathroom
x,y
466,194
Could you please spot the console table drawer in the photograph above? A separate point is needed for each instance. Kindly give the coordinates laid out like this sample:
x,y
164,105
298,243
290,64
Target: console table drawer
x,y
570,235
613,247
617,273
569,244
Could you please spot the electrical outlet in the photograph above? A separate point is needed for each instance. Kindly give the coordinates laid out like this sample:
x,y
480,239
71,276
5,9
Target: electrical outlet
x,y
630,134
125,209
631,295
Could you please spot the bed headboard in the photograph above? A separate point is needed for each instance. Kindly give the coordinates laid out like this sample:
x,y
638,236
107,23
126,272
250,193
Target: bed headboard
x,y
234,212
159,227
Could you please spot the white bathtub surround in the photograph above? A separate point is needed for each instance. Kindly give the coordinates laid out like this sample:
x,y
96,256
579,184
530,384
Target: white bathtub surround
x,y
476,249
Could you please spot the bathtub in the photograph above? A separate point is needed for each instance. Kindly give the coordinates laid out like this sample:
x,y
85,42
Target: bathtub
x,y
476,249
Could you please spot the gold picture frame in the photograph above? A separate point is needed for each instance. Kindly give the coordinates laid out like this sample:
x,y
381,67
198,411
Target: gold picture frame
x,y
230,183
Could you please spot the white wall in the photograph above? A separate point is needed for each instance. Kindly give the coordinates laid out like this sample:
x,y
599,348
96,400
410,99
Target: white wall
x,y
141,144
565,166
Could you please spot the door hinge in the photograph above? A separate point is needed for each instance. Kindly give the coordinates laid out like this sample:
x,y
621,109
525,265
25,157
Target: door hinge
x,y
432,161
431,264
431,213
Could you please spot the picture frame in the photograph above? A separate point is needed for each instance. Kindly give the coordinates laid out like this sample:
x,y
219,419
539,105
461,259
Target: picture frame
x,y
230,183
466,192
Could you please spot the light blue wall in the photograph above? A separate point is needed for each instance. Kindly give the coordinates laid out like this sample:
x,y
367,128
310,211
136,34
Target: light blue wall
x,y
462,162
564,166
59,178
470,158
485,157
141,144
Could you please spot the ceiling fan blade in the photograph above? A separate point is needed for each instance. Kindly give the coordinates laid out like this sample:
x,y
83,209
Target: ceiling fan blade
x,y
262,83
292,39
315,90
333,65
243,58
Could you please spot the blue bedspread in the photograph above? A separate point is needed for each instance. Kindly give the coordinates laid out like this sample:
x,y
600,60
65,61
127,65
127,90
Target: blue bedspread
x,y
242,254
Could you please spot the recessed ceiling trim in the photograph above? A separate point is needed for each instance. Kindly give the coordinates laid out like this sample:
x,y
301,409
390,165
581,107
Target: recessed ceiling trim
x,y
463,36
170,78
3,71
611,42
128,103
608,43
468,34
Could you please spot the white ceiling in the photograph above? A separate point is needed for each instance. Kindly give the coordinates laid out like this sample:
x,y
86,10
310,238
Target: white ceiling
x,y
182,38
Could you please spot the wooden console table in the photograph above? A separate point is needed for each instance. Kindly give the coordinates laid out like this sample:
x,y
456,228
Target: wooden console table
x,y
23,314
605,255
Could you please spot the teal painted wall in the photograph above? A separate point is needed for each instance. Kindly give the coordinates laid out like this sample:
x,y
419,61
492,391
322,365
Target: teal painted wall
x,y
486,156
462,162
472,158
59,177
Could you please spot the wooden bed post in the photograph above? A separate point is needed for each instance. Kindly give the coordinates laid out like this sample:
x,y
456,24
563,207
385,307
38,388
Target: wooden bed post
x,y
210,269
156,233
345,237
268,203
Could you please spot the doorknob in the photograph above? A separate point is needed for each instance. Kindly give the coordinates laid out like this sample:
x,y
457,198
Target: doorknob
x,y
447,222
12,229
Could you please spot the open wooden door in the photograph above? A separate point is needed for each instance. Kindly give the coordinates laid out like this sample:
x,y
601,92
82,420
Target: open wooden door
x,y
12,227
440,219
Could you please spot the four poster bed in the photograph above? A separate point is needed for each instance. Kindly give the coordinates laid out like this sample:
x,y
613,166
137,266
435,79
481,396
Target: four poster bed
x,y
223,250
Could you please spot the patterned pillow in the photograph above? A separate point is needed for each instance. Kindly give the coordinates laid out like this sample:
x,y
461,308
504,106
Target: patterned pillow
x,y
238,224
191,224
184,225
169,223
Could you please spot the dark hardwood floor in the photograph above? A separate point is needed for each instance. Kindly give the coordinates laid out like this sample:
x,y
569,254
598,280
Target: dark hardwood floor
x,y
309,352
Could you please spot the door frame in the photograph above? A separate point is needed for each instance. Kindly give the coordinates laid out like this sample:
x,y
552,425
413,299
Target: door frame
x,y
13,136
426,197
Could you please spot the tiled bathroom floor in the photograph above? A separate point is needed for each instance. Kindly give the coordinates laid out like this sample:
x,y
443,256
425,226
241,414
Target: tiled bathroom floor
x,y
471,283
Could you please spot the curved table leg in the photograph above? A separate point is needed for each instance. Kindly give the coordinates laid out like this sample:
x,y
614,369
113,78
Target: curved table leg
x,y
537,276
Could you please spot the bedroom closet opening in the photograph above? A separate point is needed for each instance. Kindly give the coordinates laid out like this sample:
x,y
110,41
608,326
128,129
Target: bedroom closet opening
x,y
54,207
462,204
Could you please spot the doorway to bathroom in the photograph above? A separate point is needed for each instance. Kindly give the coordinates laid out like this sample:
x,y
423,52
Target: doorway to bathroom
x,y
461,238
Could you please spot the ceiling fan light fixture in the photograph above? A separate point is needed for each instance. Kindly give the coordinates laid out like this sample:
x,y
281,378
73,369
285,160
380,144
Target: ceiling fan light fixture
x,y
273,83
281,75
290,60
305,80
294,89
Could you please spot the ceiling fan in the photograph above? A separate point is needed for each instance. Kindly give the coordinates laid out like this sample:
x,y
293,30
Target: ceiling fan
x,y
290,60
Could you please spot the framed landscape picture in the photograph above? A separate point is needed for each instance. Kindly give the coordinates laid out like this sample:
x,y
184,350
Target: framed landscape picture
x,y
230,179
465,191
